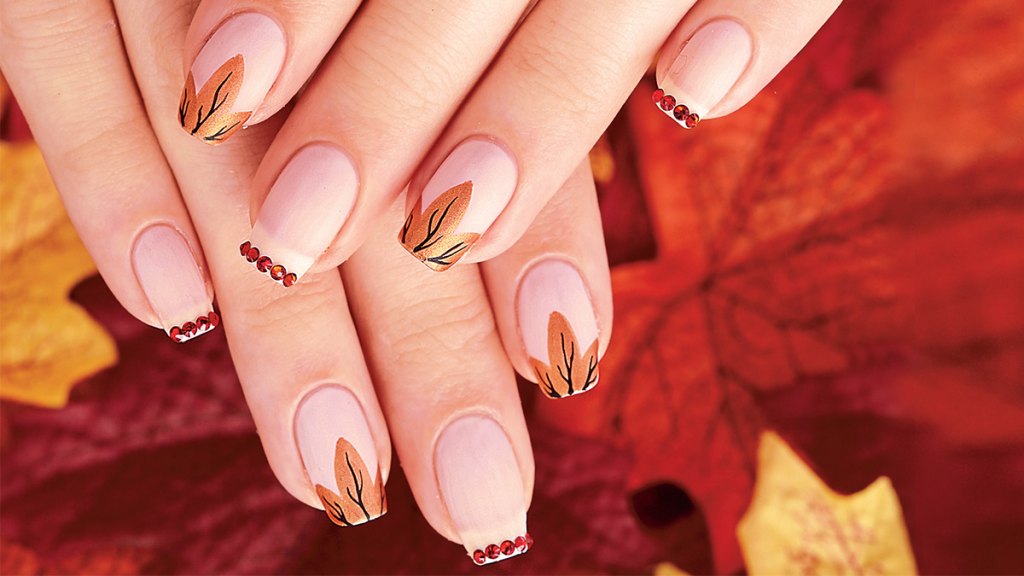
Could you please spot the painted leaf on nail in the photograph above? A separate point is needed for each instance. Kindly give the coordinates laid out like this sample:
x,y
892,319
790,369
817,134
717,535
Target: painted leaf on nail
x,y
571,370
429,234
207,115
356,501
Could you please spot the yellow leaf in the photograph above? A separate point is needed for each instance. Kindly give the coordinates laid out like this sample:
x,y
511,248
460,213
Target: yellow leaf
x,y
47,343
798,525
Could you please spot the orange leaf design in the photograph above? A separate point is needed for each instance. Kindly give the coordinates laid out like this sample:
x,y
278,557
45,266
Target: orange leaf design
x,y
208,115
357,503
568,373
429,234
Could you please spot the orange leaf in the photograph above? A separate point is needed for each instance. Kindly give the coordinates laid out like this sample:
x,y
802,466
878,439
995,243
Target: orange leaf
x,y
570,372
797,525
47,343
208,115
355,503
430,234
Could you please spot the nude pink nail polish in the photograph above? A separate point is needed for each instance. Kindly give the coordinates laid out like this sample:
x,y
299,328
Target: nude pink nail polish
x,y
463,198
558,327
340,456
303,212
173,283
705,70
231,76
482,488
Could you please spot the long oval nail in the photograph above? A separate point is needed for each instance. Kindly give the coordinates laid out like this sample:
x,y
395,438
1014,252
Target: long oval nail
x,y
558,328
304,211
173,283
340,456
463,198
705,70
482,488
231,76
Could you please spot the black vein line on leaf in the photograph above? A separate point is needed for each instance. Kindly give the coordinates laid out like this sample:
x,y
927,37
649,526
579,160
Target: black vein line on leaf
x,y
406,226
429,240
568,360
337,513
546,384
442,259
357,479
200,119
183,108
220,132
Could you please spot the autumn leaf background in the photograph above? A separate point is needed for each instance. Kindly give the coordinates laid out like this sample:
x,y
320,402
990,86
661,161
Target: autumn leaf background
x,y
841,262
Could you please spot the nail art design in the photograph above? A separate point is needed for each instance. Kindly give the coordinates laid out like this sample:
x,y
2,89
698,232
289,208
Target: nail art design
x,y
355,503
208,115
570,371
266,265
507,549
680,112
190,330
429,234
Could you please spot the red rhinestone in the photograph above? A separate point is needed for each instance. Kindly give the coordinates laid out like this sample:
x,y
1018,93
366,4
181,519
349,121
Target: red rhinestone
x,y
277,272
244,248
263,264
507,547
668,103
479,557
289,279
681,112
214,318
253,254
529,541
202,323
493,551
520,542
692,120
657,96
174,333
188,328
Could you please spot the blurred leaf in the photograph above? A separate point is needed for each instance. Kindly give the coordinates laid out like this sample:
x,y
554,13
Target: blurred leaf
x,y
797,525
48,343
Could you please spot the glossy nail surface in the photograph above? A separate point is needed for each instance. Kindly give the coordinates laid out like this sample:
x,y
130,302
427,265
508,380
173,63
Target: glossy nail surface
x,y
231,76
463,198
304,211
705,70
173,283
482,488
340,456
558,328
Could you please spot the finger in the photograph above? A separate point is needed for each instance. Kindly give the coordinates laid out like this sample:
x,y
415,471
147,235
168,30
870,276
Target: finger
x,y
74,85
246,59
725,51
297,356
551,292
351,142
449,394
531,120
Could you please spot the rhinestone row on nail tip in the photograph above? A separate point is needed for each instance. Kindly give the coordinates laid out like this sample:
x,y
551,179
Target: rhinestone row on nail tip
x,y
190,330
265,264
495,552
680,112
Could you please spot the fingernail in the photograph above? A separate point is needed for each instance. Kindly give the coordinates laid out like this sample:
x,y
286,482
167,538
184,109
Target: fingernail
x,y
482,488
707,67
340,456
558,328
463,198
173,284
304,211
233,73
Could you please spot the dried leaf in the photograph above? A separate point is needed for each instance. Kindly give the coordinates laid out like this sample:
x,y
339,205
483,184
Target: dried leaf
x,y
797,525
429,234
572,371
355,503
208,115
48,343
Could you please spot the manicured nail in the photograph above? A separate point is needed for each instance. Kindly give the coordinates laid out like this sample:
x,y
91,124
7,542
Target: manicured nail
x,y
340,456
482,488
463,198
707,67
234,72
171,279
558,328
303,212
